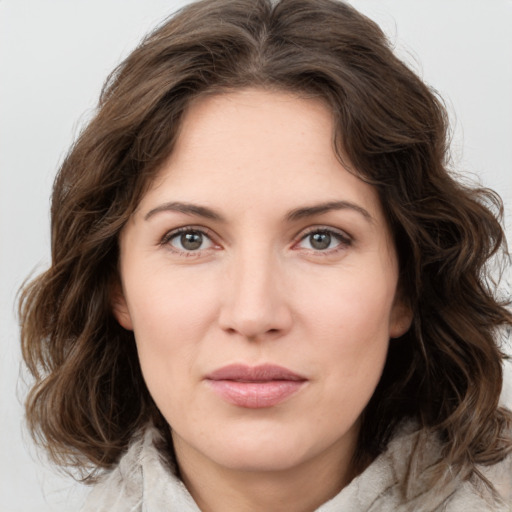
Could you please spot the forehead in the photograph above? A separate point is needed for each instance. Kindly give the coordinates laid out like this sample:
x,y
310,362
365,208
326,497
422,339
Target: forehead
x,y
252,146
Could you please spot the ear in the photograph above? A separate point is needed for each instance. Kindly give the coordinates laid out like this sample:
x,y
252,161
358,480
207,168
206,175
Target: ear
x,y
401,318
120,307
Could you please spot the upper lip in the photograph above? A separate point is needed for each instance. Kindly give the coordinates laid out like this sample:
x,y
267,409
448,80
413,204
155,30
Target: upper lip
x,y
260,373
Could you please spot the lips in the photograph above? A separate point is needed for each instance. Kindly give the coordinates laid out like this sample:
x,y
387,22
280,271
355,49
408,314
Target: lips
x,y
255,387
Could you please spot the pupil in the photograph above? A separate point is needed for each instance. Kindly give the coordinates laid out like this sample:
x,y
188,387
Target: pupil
x,y
191,241
320,240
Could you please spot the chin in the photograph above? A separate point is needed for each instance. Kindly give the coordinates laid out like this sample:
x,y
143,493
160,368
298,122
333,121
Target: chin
x,y
261,458
262,446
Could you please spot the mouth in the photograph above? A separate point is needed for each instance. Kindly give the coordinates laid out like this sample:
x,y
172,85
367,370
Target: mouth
x,y
255,387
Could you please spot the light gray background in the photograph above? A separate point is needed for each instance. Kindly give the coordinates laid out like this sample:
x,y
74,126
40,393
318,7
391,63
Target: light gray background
x,y
54,56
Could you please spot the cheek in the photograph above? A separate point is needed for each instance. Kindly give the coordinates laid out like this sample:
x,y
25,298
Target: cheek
x,y
354,342
170,315
348,326
170,305
355,305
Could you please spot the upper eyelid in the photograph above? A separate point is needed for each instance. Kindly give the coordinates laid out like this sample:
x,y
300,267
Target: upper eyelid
x,y
313,229
171,233
303,233
345,240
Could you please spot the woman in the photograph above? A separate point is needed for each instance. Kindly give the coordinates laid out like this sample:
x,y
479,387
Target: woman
x,y
266,291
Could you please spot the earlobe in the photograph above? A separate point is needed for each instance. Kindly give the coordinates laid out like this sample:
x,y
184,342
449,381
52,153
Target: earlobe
x,y
120,308
401,319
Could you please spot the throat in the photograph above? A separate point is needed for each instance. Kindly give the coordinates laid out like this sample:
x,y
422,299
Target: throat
x,y
301,488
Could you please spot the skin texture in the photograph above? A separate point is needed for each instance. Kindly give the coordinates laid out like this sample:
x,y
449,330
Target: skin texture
x,y
258,290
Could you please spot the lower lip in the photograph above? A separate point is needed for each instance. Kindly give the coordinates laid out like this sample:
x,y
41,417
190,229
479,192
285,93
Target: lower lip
x,y
255,395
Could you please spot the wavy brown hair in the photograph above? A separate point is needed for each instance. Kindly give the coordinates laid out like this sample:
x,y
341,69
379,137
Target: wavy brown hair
x,y
89,397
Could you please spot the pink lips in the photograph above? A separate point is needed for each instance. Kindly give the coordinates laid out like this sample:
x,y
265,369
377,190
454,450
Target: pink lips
x,y
254,387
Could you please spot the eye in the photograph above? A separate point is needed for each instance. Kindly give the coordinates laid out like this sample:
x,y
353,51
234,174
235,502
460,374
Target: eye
x,y
324,240
188,240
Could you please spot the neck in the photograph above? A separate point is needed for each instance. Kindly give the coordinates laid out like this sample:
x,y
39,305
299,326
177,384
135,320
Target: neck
x,y
302,488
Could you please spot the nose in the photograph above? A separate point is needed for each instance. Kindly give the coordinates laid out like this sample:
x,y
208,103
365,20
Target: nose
x,y
255,304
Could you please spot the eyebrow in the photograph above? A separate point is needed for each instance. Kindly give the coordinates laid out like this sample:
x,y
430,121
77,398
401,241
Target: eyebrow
x,y
292,216
319,209
187,208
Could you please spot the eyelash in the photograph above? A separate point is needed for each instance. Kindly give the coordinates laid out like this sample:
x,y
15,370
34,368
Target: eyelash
x,y
170,235
343,238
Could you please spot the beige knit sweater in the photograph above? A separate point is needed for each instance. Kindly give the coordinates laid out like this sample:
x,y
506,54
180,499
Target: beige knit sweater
x,y
141,482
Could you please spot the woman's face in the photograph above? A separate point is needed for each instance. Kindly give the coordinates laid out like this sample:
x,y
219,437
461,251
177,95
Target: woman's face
x,y
260,280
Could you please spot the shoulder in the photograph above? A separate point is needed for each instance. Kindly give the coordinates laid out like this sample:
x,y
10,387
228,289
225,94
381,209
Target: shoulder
x,y
399,481
500,475
120,488
140,481
415,455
